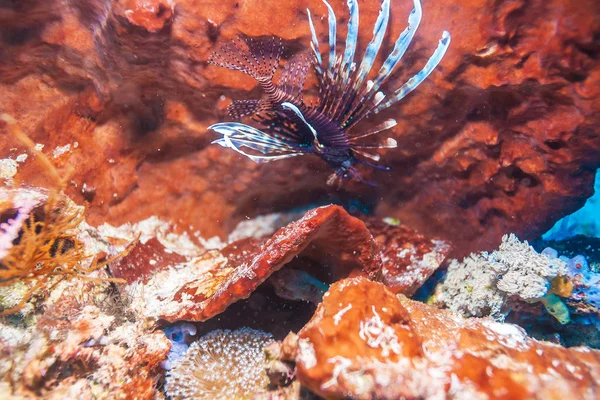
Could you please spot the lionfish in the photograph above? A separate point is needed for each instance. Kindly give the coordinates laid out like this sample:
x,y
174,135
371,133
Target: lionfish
x,y
290,127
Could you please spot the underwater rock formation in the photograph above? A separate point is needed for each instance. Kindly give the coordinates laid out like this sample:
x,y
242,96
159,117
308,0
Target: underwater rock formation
x,y
502,137
364,342
408,258
204,286
85,345
582,222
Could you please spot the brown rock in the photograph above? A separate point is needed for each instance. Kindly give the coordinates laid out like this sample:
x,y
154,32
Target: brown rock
x,y
144,260
149,15
409,258
366,343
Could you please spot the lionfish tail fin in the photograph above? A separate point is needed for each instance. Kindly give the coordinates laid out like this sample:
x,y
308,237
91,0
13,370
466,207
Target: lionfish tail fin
x,y
257,57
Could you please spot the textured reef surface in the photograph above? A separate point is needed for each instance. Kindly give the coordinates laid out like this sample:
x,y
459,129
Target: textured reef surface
x,y
168,317
366,341
138,261
502,137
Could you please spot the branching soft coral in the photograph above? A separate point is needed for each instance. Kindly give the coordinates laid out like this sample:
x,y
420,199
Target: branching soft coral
x,y
38,242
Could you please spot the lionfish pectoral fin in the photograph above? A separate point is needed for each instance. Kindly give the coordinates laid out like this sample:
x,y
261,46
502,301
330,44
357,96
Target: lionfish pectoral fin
x,y
293,77
257,57
241,108
265,147
416,80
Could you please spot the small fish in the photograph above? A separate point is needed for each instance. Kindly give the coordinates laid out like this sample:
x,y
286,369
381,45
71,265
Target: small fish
x,y
290,127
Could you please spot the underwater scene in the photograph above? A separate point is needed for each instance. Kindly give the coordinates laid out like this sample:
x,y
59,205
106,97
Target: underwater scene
x,y
300,199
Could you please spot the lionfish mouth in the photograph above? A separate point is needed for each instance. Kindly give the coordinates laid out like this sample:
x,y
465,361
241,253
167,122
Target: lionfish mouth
x,y
289,127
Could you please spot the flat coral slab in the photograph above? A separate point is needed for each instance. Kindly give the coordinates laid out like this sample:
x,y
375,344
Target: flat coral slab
x,y
364,342
326,229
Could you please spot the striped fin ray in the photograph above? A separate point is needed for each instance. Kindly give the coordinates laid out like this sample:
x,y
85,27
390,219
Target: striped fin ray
x,y
400,47
314,44
416,80
373,47
332,35
414,19
329,88
345,107
387,124
266,147
351,39
241,108
258,58
372,156
388,143
294,75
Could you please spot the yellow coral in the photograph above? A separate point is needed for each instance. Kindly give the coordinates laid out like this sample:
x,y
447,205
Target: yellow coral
x,y
46,249
561,286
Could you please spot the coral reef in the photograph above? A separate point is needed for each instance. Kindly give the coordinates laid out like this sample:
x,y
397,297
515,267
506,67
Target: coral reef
x,y
83,346
503,137
39,246
409,258
221,364
364,342
513,280
117,97
483,284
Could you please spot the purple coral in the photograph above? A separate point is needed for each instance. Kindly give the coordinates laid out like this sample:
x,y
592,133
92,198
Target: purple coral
x,y
179,336
9,230
578,265
585,280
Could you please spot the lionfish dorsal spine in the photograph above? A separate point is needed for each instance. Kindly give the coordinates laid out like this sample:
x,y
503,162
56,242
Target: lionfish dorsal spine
x,y
400,46
416,80
373,46
332,21
351,39
314,44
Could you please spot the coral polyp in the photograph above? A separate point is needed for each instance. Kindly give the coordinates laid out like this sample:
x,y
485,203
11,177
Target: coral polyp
x,y
222,364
